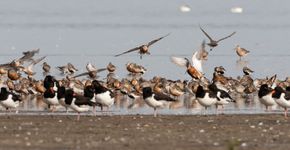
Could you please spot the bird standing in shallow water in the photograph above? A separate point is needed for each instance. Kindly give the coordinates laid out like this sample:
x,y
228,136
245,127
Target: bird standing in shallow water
x,y
241,52
155,100
282,98
205,98
104,96
213,43
9,100
75,102
143,49
265,96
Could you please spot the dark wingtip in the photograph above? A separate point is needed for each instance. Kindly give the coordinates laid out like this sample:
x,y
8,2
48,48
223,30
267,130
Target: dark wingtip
x,y
131,96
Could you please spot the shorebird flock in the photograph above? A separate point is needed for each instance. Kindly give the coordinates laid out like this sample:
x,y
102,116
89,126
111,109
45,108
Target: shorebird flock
x,y
83,92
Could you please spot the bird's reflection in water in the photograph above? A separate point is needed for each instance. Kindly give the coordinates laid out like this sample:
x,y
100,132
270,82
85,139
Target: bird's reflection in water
x,y
241,63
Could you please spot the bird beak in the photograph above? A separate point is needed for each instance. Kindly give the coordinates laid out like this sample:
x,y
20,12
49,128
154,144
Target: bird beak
x,y
273,92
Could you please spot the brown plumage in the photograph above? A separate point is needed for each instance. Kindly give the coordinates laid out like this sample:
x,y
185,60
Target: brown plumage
x,y
191,70
111,67
218,75
158,88
175,90
46,67
3,71
194,73
213,43
134,68
39,87
143,49
241,52
13,75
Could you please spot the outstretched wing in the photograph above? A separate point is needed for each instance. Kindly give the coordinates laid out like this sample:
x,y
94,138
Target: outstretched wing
x,y
28,55
38,60
131,50
226,37
100,70
82,74
206,34
182,62
7,65
156,40
196,63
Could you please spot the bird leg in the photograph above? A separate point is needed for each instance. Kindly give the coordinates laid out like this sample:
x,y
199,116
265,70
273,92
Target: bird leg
x,y
155,112
205,111
217,109
7,113
285,113
78,117
94,110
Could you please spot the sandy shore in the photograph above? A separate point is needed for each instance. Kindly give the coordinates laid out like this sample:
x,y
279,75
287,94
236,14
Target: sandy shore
x,y
145,132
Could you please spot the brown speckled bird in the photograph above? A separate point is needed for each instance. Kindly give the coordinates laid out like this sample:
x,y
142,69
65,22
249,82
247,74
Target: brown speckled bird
x,y
143,49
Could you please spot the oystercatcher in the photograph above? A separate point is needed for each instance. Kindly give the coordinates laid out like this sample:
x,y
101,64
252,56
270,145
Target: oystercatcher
x,y
265,96
8,99
76,102
155,100
104,96
282,98
223,97
205,98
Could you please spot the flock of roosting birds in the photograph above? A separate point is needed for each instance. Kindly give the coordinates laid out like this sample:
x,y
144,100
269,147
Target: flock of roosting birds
x,y
87,93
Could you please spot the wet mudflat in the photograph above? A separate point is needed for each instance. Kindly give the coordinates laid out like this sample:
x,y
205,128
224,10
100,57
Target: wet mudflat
x,y
267,131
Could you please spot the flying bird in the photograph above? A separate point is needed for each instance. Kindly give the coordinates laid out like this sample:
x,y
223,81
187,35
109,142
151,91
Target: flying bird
x,y
143,49
46,67
194,69
213,43
202,53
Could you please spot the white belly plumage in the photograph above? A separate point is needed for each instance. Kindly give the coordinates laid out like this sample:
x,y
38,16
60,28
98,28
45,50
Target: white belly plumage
x,y
267,100
282,101
206,101
154,103
105,99
9,103
51,101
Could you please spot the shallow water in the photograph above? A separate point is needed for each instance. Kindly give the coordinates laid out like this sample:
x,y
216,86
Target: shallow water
x,y
93,31
126,106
